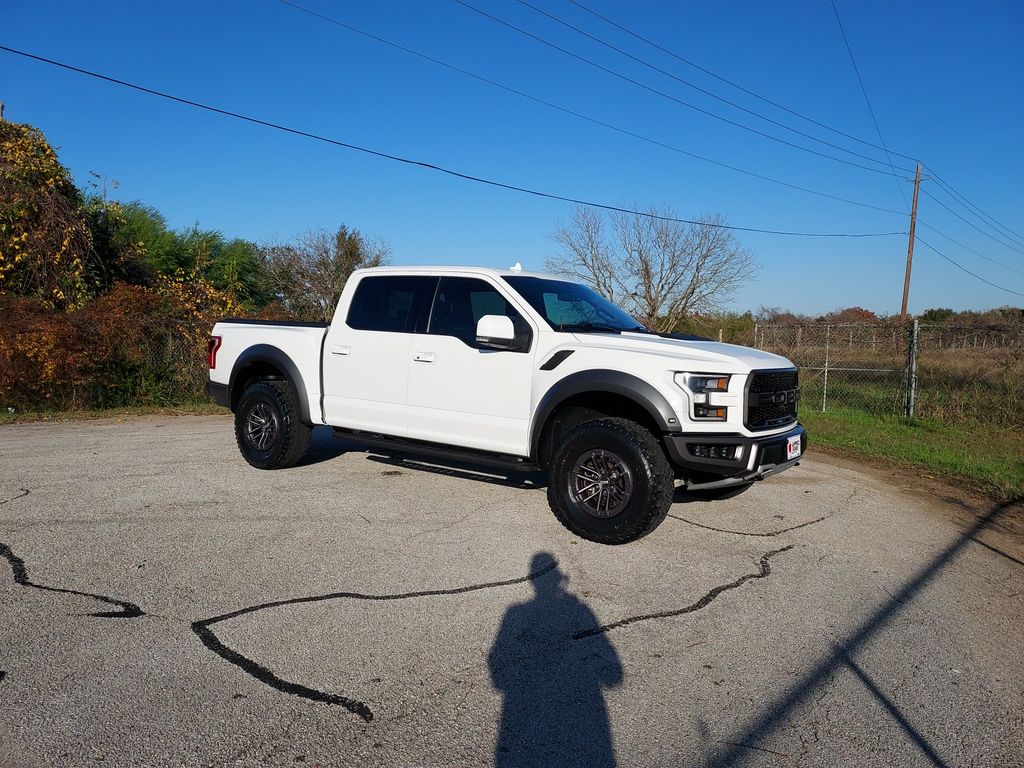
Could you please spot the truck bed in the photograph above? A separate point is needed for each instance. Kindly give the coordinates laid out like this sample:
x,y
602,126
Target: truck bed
x,y
295,347
282,323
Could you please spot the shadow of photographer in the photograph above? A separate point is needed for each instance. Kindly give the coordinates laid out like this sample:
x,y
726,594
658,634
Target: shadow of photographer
x,y
554,711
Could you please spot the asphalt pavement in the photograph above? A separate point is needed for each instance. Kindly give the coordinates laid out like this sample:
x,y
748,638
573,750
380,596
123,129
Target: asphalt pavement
x,y
164,604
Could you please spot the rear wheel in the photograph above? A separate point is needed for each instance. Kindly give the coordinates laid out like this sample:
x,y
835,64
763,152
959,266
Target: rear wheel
x,y
610,481
268,428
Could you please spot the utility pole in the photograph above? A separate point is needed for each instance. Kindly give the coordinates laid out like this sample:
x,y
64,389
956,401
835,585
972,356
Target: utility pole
x,y
910,245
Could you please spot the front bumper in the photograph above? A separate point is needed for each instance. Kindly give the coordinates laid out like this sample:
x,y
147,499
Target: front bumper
x,y
756,457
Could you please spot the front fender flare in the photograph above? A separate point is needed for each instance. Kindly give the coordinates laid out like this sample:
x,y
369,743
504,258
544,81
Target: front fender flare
x,y
641,392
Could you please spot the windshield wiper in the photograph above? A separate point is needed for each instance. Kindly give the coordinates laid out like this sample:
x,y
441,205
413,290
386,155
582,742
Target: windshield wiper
x,y
589,328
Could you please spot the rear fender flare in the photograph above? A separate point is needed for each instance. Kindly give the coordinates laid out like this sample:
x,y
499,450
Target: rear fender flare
x,y
271,355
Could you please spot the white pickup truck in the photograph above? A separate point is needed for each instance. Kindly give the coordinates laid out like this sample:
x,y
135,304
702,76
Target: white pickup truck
x,y
518,370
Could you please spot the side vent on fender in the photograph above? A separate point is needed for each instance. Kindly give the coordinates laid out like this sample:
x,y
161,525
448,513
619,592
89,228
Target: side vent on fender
x,y
556,359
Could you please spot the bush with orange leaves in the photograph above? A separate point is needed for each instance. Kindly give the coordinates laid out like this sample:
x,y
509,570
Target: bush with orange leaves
x,y
131,346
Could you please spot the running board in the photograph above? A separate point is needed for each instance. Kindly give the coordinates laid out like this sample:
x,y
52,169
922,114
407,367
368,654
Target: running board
x,y
423,449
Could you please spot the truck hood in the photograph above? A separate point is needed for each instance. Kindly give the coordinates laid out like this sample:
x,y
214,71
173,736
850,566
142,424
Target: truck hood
x,y
686,355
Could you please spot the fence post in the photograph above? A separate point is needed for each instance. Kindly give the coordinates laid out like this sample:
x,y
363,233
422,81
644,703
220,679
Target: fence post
x,y
719,335
755,336
824,388
911,385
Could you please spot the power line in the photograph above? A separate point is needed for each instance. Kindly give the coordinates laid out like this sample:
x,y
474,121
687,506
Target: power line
x,y
576,114
871,110
663,94
971,250
976,211
426,165
732,83
972,224
696,87
964,269
948,188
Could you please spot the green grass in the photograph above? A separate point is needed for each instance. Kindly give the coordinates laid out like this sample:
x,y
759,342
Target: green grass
x,y
985,458
198,407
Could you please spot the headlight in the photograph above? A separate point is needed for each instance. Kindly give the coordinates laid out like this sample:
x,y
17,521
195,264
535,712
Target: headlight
x,y
704,382
701,385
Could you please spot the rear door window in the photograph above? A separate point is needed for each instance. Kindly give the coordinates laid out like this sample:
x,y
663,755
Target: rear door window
x,y
398,304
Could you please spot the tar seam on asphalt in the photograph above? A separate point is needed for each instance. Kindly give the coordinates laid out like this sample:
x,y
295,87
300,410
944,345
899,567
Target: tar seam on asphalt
x,y
747,533
264,675
128,610
764,570
24,492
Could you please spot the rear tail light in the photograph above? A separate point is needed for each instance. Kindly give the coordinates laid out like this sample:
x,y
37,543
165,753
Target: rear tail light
x,y
211,351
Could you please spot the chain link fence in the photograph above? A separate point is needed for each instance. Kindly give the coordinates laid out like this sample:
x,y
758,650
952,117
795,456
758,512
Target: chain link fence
x,y
956,374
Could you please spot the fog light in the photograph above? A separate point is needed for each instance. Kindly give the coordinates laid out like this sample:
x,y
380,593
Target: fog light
x,y
716,451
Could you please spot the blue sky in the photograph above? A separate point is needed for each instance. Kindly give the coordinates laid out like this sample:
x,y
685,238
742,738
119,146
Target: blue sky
x,y
945,80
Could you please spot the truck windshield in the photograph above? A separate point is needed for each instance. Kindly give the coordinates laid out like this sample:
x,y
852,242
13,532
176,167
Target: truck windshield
x,y
568,306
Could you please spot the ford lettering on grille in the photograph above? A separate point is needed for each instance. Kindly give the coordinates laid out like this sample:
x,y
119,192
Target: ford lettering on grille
x,y
771,399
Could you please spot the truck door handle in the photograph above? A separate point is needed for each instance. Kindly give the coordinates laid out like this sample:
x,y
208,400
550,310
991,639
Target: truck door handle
x,y
339,350
424,357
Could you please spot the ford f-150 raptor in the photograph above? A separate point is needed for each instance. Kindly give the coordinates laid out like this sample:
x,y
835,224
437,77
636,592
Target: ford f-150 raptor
x,y
520,370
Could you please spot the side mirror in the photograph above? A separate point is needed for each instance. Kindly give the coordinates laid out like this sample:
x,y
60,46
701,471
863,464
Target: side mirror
x,y
496,332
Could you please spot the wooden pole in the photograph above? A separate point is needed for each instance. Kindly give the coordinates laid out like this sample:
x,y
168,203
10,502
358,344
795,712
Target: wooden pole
x,y
910,245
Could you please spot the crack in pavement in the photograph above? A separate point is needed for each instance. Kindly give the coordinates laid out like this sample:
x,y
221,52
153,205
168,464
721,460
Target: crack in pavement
x,y
764,570
747,533
24,492
266,676
20,572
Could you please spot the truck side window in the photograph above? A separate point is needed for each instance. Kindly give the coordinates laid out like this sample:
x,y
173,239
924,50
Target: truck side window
x,y
388,303
459,304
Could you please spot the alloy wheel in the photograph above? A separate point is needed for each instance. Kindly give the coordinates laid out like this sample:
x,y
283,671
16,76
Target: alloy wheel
x,y
601,483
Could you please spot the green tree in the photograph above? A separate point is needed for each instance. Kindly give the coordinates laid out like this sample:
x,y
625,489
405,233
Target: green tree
x,y
236,267
145,229
936,315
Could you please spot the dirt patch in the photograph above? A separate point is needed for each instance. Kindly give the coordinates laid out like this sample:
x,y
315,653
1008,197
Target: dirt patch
x,y
961,506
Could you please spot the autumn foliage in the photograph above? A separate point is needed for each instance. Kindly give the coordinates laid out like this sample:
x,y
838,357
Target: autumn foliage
x,y
84,321
131,345
103,305
44,239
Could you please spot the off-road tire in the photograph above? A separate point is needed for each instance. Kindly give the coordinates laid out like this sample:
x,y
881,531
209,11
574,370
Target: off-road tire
x,y
718,494
276,401
652,480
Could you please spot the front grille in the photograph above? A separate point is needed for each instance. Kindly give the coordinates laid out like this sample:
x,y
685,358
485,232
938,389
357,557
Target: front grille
x,y
771,399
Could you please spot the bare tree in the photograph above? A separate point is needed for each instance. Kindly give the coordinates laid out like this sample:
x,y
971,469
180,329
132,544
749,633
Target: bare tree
x,y
307,276
658,270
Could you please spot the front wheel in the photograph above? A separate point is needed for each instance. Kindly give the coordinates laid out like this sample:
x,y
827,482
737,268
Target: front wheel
x,y
610,481
268,427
